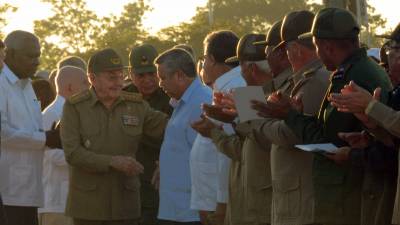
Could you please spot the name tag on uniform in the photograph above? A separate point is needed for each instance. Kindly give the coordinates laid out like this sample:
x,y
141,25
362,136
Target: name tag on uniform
x,y
130,120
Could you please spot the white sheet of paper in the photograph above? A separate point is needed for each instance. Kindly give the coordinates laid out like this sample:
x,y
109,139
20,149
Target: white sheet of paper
x,y
242,97
326,147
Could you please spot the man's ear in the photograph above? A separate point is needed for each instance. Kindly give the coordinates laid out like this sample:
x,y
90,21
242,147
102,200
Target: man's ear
x,y
92,78
180,75
212,60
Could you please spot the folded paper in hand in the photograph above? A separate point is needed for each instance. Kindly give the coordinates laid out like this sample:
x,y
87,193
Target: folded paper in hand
x,y
242,97
326,148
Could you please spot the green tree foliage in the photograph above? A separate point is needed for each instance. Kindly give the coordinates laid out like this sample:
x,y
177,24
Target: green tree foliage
x,y
4,9
124,31
73,29
240,16
375,22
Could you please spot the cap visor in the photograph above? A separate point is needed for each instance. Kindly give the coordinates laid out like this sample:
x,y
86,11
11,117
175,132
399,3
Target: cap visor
x,y
148,69
260,43
232,59
116,68
305,36
279,45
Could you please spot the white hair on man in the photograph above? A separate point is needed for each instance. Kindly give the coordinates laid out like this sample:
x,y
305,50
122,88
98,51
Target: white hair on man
x,y
261,65
70,80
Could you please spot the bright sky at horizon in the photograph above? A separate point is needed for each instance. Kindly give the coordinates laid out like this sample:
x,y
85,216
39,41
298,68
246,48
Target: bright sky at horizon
x,y
164,13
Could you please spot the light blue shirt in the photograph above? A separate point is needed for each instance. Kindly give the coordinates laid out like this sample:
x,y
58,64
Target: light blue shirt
x,y
175,181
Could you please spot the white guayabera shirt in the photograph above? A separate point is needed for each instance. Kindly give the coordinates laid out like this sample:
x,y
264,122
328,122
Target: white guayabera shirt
x,y
210,168
22,142
55,168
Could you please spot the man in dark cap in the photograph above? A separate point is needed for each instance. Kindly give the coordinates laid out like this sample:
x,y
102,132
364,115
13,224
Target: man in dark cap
x,y
143,74
277,57
380,180
101,129
337,188
309,83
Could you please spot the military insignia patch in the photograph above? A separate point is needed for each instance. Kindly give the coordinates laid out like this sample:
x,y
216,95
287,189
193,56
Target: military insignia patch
x,y
144,61
115,61
338,74
130,120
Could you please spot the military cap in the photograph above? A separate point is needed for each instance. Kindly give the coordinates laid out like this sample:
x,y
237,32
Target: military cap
x,y
273,36
141,59
333,23
105,60
294,24
395,35
247,51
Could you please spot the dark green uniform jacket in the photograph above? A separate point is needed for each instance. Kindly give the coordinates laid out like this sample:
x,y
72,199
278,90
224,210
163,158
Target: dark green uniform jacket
x,y
337,187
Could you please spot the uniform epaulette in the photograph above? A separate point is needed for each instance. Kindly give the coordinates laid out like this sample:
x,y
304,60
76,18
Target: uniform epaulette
x,y
133,97
311,71
79,97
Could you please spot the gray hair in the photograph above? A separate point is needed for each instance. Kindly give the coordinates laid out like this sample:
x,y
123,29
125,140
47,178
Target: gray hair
x,y
177,59
261,65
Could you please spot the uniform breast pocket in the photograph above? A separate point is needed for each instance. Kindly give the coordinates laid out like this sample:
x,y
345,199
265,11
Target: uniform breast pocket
x,y
132,131
287,197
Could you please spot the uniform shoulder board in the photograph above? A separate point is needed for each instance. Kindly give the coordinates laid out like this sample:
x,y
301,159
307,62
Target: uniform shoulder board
x,y
79,97
311,72
133,97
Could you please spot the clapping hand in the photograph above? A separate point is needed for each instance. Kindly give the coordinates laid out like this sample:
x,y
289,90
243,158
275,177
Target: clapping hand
x,y
278,105
204,126
223,108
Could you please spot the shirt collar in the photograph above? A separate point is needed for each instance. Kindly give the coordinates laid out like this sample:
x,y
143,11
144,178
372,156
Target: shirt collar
x,y
11,77
225,78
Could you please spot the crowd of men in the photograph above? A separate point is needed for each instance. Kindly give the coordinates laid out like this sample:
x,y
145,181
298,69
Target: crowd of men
x,y
160,142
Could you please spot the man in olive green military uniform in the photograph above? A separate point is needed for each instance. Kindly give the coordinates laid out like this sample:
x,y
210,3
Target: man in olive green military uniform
x,y
292,169
250,175
143,74
381,176
101,130
337,188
